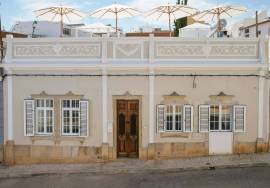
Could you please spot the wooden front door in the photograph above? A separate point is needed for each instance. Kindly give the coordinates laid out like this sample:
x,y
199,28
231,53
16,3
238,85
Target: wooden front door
x,y
127,128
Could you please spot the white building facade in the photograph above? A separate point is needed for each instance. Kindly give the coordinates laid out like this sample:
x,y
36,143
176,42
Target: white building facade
x,y
83,100
247,27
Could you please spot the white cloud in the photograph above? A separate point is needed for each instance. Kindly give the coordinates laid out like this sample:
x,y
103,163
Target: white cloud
x,y
28,6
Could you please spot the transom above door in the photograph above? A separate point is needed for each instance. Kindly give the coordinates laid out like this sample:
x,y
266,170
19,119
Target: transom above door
x,y
127,128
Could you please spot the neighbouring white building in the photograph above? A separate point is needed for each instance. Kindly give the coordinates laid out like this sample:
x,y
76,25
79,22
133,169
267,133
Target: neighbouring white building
x,y
247,27
52,29
195,30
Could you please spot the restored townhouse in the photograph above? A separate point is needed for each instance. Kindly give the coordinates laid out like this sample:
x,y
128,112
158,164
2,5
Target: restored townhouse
x,y
90,99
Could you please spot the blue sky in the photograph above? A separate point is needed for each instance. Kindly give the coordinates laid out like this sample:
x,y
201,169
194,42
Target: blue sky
x,y
22,10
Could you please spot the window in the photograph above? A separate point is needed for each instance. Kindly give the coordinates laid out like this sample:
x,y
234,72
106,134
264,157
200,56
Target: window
x,y
214,118
39,117
220,118
66,31
247,32
174,117
71,117
44,116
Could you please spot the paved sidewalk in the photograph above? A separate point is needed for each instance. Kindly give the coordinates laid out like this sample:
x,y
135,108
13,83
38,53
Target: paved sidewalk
x,y
138,166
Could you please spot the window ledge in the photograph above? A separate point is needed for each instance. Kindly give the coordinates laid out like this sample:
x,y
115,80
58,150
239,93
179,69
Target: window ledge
x,y
57,140
175,134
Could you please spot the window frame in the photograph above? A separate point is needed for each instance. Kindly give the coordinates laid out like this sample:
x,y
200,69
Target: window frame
x,y
66,31
70,109
45,108
173,118
220,114
244,118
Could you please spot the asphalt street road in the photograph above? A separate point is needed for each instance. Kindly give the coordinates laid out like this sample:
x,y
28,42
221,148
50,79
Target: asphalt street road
x,y
253,177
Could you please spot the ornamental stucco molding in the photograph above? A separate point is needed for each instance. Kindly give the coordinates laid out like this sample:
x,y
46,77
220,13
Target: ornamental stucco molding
x,y
206,50
178,50
128,50
233,50
57,50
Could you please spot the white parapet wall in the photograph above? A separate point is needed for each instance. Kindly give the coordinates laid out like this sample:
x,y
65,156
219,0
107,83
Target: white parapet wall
x,y
135,50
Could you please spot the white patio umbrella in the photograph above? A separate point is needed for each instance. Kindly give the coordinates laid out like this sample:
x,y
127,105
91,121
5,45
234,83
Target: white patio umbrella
x,y
60,14
168,12
219,12
115,11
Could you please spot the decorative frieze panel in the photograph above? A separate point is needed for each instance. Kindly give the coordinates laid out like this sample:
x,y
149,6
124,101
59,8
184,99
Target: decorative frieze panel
x,y
131,50
180,50
91,50
135,49
233,50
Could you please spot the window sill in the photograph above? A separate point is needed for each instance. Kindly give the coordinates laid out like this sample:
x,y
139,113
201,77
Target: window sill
x,y
56,139
175,134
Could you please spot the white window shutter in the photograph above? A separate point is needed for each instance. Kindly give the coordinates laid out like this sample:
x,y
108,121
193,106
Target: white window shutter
x,y
239,118
204,118
160,117
188,118
84,119
29,117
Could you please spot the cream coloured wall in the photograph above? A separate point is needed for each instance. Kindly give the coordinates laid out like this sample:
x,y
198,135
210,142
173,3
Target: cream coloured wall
x,y
244,90
89,87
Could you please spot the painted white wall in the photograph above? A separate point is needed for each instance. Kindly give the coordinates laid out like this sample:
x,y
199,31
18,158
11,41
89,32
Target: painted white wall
x,y
47,29
43,28
264,28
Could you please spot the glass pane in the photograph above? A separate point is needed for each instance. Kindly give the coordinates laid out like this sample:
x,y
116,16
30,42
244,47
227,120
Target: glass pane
x,y
66,117
75,129
40,121
75,103
49,103
169,122
66,129
75,117
178,109
42,103
66,103
133,125
121,123
38,103
214,117
169,109
178,122
226,117
49,121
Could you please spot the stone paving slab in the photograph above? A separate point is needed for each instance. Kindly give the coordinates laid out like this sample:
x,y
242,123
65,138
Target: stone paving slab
x,y
138,166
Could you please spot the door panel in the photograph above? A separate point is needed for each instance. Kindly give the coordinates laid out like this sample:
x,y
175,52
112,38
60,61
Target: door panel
x,y
220,143
127,128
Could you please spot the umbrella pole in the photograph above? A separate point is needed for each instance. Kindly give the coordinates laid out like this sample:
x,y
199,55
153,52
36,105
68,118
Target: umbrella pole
x,y
218,24
116,22
170,25
61,24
